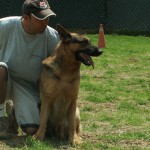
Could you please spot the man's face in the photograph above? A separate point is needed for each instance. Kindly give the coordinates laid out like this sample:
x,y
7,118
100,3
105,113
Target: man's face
x,y
37,26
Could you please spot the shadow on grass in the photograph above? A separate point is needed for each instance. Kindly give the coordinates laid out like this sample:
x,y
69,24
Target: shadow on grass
x,y
27,142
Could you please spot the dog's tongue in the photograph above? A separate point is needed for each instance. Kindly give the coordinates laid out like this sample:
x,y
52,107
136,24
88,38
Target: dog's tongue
x,y
87,59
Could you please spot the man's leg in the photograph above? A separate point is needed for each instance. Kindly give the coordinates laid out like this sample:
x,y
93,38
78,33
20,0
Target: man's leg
x,y
26,99
8,125
3,88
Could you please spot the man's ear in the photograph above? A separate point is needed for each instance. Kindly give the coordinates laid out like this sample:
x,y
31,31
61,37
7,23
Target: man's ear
x,y
26,17
65,36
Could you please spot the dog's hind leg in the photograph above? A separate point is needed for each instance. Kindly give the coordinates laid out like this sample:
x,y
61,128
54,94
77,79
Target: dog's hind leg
x,y
78,125
77,122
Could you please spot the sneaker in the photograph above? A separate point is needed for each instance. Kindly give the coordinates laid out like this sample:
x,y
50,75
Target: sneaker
x,y
13,125
8,125
4,135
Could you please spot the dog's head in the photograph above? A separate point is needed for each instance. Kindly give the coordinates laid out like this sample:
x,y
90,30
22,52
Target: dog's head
x,y
82,47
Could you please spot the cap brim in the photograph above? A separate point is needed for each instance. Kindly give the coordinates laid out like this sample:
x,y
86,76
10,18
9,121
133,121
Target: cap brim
x,y
43,14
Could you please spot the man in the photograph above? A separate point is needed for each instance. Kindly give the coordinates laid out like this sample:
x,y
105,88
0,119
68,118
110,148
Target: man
x,y
25,42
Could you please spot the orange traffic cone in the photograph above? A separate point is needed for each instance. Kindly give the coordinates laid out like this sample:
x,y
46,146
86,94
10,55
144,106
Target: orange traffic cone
x,y
101,38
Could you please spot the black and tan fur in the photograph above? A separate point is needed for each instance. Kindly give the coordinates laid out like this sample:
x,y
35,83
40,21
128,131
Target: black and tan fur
x,y
60,81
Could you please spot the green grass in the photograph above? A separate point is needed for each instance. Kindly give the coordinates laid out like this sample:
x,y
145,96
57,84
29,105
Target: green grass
x,y
114,98
117,93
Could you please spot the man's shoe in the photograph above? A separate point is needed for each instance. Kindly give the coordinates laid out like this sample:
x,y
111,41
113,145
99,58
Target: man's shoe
x,y
8,125
13,125
4,135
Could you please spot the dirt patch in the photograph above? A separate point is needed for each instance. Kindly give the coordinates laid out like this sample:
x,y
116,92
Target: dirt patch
x,y
14,142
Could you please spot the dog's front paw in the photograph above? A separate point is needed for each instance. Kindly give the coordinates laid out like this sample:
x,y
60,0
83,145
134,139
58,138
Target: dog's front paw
x,y
76,140
38,136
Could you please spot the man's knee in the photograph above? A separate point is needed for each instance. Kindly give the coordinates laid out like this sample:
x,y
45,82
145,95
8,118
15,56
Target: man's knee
x,y
30,130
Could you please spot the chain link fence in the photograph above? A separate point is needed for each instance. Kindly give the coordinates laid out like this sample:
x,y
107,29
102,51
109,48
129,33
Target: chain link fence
x,y
118,16
128,16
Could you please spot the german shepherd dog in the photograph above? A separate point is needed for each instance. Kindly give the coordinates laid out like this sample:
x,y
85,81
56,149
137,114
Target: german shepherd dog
x,y
60,79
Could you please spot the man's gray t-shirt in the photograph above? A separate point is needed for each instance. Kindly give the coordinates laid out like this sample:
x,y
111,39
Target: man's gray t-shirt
x,y
23,52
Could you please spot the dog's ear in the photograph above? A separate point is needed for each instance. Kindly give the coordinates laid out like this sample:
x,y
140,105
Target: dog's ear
x,y
65,36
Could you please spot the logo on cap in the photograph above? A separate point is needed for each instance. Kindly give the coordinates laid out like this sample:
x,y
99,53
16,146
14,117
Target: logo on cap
x,y
43,5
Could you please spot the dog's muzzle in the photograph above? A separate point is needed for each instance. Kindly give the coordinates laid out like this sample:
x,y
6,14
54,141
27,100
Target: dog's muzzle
x,y
94,52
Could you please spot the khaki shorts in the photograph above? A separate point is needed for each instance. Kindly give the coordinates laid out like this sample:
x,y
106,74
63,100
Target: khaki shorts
x,y
26,102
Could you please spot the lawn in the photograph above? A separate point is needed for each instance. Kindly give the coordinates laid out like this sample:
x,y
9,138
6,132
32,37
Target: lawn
x,y
114,100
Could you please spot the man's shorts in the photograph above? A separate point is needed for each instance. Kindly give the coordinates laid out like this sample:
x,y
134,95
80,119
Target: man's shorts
x,y
26,101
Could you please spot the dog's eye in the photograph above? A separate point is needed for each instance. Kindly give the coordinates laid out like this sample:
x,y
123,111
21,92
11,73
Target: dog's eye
x,y
85,41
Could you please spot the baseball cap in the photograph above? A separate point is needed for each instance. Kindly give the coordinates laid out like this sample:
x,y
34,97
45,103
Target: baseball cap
x,y
40,9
